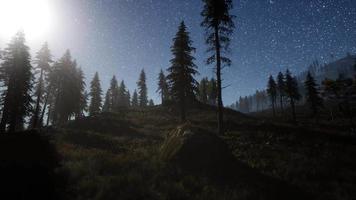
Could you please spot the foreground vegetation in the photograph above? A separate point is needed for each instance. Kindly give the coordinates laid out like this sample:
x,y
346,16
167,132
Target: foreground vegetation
x,y
117,156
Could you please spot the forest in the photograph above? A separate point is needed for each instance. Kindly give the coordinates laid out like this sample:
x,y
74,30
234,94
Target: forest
x,y
65,136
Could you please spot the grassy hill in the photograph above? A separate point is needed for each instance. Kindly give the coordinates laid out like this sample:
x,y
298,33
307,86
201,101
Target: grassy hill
x,y
117,156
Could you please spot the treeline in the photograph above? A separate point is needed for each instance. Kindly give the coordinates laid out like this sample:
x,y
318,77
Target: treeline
x,y
39,92
332,96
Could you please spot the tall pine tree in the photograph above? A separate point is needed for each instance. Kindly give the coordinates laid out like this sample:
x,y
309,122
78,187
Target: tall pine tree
x,y
142,90
312,94
281,86
182,70
163,87
134,101
43,62
272,93
95,94
219,25
17,77
292,92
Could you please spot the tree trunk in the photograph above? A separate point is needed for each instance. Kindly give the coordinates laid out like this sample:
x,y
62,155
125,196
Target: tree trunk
x,y
281,101
38,101
218,81
4,119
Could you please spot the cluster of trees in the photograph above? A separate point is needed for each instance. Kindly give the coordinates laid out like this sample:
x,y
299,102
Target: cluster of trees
x,y
337,95
207,91
58,90
55,91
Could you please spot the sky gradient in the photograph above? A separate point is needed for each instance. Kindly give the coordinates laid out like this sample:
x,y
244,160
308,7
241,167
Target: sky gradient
x,y
120,37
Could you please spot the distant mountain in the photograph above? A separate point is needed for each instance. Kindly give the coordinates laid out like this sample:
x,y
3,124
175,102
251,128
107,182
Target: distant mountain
x,y
344,67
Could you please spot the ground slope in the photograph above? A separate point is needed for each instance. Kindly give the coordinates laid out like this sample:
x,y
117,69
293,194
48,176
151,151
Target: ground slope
x,y
116,156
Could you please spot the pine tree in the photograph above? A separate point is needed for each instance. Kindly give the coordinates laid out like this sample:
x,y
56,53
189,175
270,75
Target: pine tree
x,y
219,27
272,92
292,92
163,87
203,90
134,101
182,70
95,94
16,75
113,93
122,95
128,99
281,86
151,103
142,90
212,92
43,61
107,102
80,95
313,94
67,86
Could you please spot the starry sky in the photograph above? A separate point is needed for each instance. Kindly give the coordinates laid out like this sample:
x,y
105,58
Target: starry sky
x,y
123,36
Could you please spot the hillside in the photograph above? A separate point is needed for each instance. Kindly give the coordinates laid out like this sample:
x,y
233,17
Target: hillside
x,y
117,156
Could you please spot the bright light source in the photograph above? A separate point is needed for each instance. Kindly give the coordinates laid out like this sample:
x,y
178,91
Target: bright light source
x,y
32,16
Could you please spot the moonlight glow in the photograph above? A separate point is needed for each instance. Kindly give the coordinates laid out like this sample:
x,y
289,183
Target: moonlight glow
x,y
31,16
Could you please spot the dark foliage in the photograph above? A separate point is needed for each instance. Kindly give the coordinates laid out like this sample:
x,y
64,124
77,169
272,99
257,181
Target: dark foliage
x,y
32,171
182,84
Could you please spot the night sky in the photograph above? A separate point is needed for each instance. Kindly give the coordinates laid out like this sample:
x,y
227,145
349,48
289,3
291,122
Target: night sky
x,y
123,36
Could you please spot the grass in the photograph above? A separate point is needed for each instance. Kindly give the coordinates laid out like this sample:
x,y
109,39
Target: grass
x,y
116,156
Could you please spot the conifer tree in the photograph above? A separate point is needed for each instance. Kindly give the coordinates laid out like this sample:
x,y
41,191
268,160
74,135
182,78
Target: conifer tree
x,y
16,76
142,89
107,102
113,95
43,62
128,99
272,92
312,94
203,90
182,70
151,103
80,95
122,95
163,87
212,92
95,94
281,86
67,85
292,92
134,101
219,27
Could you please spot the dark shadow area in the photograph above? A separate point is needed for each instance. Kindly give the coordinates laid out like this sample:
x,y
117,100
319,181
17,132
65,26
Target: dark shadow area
x,y
29,166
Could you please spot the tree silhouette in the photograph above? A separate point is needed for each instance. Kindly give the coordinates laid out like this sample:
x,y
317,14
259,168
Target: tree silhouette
x,y
16,76
151,103
67,85
212,92
272,92
219,27
95,94
134,101
182,70
312,94
281,86
292,92
107,101
203,90
43,62
142,89
163,87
